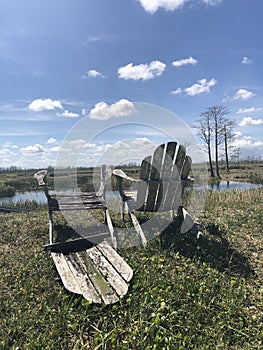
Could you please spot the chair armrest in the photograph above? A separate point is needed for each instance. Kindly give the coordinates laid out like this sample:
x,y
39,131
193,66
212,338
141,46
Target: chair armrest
x,y
121,174
40,176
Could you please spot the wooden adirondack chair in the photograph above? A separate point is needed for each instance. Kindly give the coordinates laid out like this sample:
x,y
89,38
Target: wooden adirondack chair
x,y
88,265
163,177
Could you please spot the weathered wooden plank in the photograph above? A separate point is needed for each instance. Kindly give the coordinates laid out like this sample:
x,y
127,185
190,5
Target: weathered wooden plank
x,y
164,196
116,260
107,294
186,167
81,206
180,157
69,280
154,175
79,271
143,184
80,199
108,271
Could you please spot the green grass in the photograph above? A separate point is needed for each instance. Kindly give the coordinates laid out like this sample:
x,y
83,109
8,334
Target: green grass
x,y
184,295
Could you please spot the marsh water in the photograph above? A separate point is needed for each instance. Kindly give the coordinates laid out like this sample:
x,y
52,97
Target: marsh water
x,y
21,198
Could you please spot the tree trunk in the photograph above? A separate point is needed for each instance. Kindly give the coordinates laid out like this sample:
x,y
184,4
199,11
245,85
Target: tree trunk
x,y
216,149
226,152
210,162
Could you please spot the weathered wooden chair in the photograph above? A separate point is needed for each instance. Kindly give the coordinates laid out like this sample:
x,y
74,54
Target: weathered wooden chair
x,y
160,187
88,265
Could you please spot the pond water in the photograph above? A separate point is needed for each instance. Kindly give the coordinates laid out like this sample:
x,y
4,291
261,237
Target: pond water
x,y
230,185
39,196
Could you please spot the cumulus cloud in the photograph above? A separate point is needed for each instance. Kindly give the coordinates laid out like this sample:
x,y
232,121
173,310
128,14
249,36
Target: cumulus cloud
x,y
248,145
103,111
121,152
185,61
35,150
55,149
78,144
152,6
51,140
243,94
142,71
248,110
201,87
249,121
246,60
39,105
6,152
176,92
212,2
92,73
7,144
68,114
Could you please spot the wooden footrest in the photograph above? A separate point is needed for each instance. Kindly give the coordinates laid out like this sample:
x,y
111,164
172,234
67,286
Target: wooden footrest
x,y
99,273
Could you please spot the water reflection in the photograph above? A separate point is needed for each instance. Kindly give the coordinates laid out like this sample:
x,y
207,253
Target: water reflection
x,y
230,185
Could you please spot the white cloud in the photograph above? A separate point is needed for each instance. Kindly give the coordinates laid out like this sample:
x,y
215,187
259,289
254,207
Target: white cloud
x,y
246,60
93,39
248,121
39,105
248,110
185,61
121,152
32,150
7,145
142,71
152,6
84,111
54,149
6,152
200,88
92,73
243,94
51,140
102,111
248,145
68,114
79,144
176,92
212,2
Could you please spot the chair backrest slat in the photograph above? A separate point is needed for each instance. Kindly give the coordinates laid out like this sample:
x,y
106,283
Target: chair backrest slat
x,y
154,186
162,178
143,184
166,175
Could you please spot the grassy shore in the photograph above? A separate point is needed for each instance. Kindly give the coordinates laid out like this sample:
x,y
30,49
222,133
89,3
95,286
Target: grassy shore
x,y
183,295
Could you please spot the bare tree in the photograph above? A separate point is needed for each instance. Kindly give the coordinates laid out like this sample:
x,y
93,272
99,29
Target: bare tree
x,y
217,114
205,130
228,135
216,130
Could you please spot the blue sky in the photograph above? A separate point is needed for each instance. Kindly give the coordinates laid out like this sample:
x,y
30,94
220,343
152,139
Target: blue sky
x,y
63,62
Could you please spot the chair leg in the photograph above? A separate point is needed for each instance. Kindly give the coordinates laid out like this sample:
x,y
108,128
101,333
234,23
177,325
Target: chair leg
x,y
188,223
111,229
50,222
122,210
137,226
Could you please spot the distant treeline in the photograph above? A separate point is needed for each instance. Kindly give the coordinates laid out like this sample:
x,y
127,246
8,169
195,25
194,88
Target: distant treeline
x,y
51,169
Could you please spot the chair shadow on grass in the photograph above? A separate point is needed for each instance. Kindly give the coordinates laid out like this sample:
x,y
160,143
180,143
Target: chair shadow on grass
x,y
213,249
